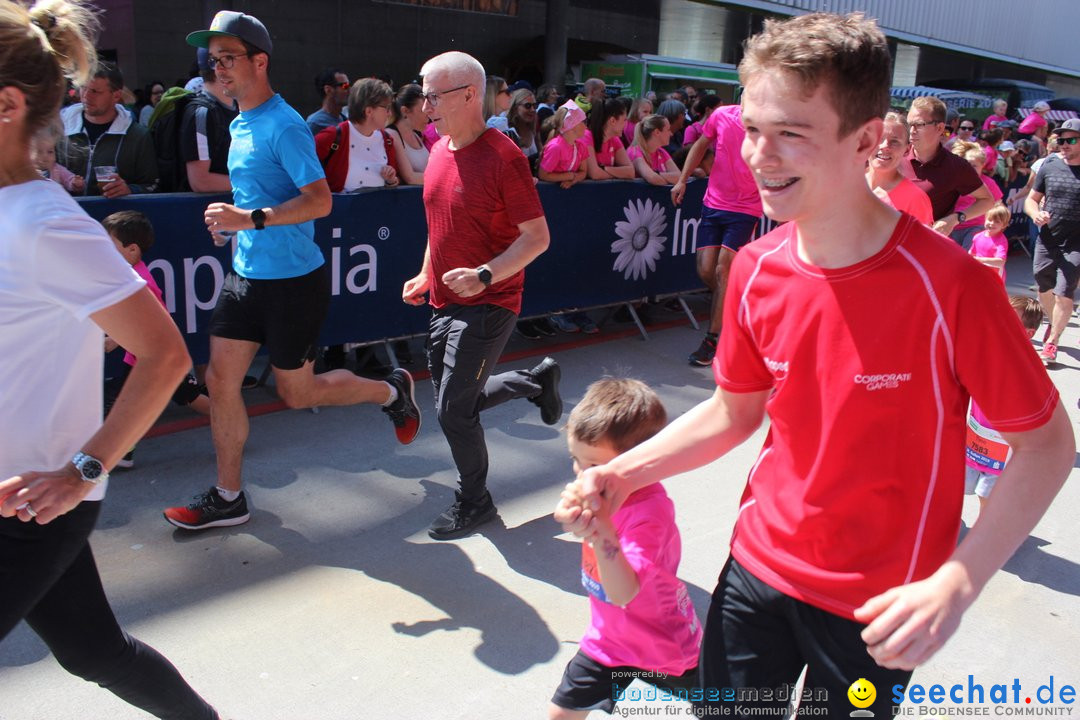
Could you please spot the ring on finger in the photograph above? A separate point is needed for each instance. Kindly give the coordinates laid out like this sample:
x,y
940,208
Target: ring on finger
x,y
30,510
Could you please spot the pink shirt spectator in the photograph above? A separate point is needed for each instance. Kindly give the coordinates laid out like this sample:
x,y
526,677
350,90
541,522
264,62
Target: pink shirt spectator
x,y
658,630
63,176
1031,123
692,133
606,156
991,160
560,156
658,161
991,246
992,120
628,133
966,201
431,136
731,186
144,272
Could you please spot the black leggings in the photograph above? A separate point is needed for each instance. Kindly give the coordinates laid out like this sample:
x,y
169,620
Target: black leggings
x,y
48,577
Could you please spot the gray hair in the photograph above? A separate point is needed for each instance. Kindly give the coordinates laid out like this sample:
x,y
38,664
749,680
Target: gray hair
x,y
462,68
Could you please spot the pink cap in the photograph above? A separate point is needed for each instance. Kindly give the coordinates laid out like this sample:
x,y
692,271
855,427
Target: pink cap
x,y
574,115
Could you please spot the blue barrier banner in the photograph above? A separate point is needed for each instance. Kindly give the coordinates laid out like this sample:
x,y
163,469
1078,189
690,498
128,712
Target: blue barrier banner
x,y
611,241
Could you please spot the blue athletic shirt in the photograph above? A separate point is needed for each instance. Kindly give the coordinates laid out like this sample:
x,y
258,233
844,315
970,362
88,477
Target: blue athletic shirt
x,y
273,155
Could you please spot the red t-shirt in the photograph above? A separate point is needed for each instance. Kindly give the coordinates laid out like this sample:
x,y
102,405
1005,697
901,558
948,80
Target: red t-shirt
x,y
474,199
859,485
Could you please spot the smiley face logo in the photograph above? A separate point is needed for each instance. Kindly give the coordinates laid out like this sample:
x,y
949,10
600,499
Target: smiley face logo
x,y
862,693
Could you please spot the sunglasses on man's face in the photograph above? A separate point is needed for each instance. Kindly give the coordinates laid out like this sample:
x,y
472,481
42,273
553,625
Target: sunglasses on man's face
x,y
1069,140
967,127
342,86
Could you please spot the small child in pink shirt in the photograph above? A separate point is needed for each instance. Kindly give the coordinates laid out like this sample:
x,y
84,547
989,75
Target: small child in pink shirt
x,y
43,155
133,235
990,246
563,158
643,624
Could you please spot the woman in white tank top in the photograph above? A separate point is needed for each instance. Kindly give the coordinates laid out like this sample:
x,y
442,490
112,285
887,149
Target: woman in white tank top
x,y
407,134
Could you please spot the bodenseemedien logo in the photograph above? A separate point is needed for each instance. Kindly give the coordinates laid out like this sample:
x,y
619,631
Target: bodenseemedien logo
x,y
862,694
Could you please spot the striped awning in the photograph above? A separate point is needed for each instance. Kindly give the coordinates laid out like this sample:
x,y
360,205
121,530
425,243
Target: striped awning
x,y
952,98
1058,115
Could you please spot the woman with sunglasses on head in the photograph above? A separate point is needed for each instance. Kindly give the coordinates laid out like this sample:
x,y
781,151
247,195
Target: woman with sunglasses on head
x,y
61,284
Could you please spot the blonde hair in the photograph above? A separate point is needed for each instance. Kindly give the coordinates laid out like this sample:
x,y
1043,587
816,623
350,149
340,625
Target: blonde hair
x,y
937,109
620,411
491,93
635,109
43,46
999,213
645,128
970,151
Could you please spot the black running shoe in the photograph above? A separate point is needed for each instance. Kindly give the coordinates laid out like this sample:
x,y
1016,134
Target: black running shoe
x,y
705,353
462,517
547,375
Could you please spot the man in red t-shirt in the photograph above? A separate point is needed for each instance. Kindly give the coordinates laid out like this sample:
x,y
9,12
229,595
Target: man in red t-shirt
x,y
485,224
844,556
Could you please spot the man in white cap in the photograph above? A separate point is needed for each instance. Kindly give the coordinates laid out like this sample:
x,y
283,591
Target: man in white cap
x,y
278,290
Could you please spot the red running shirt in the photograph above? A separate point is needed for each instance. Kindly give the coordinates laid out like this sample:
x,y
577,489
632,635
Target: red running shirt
x,y
474,199
859,485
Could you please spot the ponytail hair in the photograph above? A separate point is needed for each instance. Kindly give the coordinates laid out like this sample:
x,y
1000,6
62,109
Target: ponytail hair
x,y
646,127
598,117
41,47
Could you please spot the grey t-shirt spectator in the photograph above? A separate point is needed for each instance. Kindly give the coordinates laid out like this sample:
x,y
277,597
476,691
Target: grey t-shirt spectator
x,y
320,119
1059,182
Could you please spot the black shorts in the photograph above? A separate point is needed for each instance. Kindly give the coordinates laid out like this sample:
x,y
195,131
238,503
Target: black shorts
x,y
723,228
284,315
758,638
588,685
1056,268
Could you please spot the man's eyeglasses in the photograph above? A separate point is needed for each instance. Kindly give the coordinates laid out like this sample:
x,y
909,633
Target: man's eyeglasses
x,y
1069,140
920,125
225,61
342,86
967,127
433,98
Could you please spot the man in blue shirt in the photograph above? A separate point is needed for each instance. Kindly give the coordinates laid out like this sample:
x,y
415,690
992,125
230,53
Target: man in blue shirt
x,y
278,291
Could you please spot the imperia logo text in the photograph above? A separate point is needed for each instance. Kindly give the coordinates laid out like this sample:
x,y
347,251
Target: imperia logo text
x,y
882,381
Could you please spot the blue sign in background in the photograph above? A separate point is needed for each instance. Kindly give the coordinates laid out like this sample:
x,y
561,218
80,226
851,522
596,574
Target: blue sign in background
x,y
611,242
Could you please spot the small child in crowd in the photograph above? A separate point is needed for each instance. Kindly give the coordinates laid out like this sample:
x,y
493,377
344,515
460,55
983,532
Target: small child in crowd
x,y
564,155
642,622
990,246
987,452
133,236
43,155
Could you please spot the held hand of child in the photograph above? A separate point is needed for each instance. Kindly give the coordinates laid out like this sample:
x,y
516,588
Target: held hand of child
x,y
572,514
77,185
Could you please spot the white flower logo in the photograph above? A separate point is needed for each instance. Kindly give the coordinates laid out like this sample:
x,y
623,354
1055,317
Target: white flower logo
x,y
640,241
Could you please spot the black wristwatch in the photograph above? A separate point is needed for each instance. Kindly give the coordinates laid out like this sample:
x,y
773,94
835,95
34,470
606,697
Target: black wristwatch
x,y
483,273
90,468
960,217
258,217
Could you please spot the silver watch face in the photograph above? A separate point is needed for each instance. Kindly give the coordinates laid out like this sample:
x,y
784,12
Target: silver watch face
x,y
91,469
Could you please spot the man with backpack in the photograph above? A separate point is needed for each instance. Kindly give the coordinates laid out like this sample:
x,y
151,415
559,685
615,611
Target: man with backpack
x,y
191,135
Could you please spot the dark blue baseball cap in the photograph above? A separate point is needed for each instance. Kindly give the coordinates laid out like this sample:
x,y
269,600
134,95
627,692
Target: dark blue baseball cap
x,y
238,25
